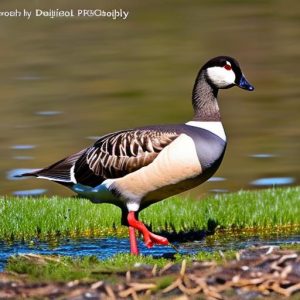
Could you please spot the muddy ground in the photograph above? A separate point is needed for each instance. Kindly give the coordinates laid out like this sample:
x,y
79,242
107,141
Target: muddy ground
x,y
265,272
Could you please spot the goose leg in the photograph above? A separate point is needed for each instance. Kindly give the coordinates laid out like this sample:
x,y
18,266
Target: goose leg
x,y
149,238
133,243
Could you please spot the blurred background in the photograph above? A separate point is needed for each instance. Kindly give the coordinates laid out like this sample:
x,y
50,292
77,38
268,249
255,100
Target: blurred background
x,y
66,81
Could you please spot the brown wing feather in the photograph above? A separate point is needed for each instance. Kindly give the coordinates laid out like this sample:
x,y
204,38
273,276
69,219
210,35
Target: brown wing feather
x,y
117,154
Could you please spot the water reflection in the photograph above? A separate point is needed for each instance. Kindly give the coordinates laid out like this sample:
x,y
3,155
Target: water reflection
x,y
89,77
263,155
94,138
238,243
273,181
27,193
216,179
23,147
48,113
218,191
23,157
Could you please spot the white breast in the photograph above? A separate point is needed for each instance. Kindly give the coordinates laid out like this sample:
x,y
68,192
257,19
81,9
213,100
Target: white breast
x,y
176,163
212,126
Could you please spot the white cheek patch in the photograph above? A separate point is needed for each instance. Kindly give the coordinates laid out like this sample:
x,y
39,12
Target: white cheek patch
x,y
220,76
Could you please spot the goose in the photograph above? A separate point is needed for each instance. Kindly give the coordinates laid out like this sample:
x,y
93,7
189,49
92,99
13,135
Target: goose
x,y
135,168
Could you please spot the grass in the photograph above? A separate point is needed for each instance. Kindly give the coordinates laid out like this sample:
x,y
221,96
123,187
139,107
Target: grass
x,y
66,268
63,268
245,209
25,218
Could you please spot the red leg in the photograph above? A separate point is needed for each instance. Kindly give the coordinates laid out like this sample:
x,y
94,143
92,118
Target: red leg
x,y
133,244
149,238
132,221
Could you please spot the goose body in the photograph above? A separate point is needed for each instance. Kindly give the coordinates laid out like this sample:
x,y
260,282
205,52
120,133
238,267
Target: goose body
x,y
137,167
160,161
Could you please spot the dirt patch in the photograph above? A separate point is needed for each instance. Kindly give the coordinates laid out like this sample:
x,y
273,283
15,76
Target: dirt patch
x,y
264,271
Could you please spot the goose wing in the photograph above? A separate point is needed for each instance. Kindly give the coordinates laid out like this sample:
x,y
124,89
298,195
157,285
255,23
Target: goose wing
x,y
117,154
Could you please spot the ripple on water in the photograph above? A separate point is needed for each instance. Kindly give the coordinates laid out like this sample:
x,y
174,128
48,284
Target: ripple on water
x,y
33,192
271,181
48,113
216,179
23,157
93,137
104,248
239,242
263,155
219,191
23,147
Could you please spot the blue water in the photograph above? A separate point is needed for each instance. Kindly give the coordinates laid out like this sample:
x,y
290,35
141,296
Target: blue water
x,y
22,147
106,247
273,181
32,192
101,247
48,113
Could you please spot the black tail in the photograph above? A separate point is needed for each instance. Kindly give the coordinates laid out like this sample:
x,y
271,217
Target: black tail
x,y
33,173
60,172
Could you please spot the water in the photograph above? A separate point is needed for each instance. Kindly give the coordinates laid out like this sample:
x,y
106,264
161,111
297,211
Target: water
x,y
33,192
64,82
273,181
104,248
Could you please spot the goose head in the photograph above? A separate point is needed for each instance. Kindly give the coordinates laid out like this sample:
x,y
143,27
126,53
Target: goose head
x,y
224,72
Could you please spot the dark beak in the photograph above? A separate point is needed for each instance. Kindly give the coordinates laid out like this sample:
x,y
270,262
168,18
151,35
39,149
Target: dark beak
x,y
244,84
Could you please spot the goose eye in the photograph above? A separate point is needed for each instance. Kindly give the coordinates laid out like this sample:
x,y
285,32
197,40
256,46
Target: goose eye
x,y
227,67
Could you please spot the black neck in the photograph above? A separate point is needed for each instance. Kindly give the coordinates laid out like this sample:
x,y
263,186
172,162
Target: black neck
x,y
205,100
